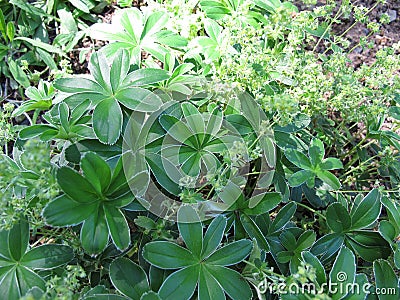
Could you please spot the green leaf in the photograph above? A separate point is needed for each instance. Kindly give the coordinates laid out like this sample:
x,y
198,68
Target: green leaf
x,y
18,239
254,232
305,240
144,77
76,186
230,254
119,69
343,272
44,46
298,158
30,9
96,171
209,288
338,218
327,246
3,25
283,217
329,178
10,31
128,278
367,211
18,74
107,121
139,99
191,229
316,152
331,164
78,85
385,279
300,177
63,211
370,245
26,280
118,227
9,284
47,256
263,203
167,255
232,282
309,258
213,236
80,5
180,284
94,233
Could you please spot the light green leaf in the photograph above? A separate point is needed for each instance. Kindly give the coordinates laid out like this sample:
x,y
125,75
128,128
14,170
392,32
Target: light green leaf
x,y
44,46
298,158
18,239
107,121
300,177
329,178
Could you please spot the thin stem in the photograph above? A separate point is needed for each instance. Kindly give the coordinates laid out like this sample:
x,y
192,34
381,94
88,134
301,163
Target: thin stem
x,y
312,210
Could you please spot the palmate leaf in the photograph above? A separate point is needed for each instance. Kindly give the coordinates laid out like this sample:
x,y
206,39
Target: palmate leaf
x,y
94,199
206,269
109,88
17,262
134,31
313,165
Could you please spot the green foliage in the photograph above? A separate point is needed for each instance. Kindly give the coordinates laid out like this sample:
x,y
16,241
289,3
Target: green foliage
x,y
212,150
96,199
17,263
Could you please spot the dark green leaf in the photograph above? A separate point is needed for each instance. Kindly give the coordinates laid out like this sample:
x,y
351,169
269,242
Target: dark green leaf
x,y
180,284
76,186
232,282
47,256
386,279
94,233
230,254
63,211
118,227
96,171
338,218
191,229
367,211
167,255
213,236
128,278
343,271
